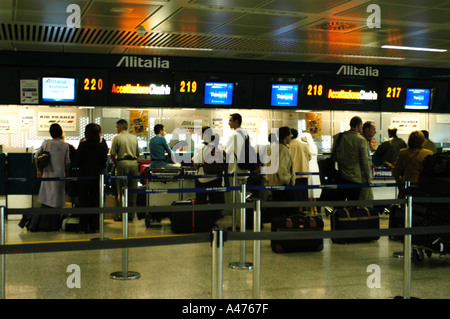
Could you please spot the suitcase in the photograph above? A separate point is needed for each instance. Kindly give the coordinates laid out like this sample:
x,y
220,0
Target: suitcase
x,y
70,223
352,219
38,222
297,222
191,221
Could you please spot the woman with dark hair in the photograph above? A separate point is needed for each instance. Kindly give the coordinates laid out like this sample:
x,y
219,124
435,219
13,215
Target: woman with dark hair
x,y
409,160
52,193
91,161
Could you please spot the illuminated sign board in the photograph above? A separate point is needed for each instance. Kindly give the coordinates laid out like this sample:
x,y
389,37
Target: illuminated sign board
x,y
140,89
339,93
152,89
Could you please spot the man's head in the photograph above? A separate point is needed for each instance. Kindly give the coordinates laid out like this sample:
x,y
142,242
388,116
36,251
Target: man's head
x,y
392,131
284,135
369,129
235,121
121,125
159,130
356,124
56,131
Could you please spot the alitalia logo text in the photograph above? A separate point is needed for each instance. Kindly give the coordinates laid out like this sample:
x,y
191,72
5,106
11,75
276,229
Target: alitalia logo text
x,y
129,61
356,71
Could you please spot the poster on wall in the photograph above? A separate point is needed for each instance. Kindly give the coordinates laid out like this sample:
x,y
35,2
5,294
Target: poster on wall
x,y
8,123
405,125
27,119
29,91
67,121
139,122
314,124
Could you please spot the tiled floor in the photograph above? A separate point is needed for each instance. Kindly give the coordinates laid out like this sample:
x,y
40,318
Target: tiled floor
x,y
184,271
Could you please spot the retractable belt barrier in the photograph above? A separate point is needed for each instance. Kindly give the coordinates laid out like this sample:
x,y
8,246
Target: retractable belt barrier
x,y
218,236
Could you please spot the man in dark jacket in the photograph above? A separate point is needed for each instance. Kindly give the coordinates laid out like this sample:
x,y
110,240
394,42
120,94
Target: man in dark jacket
x,y
388,150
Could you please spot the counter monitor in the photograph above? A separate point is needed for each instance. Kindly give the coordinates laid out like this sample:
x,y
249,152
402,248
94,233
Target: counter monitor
x,y
218,93
417,99
55,89
284,95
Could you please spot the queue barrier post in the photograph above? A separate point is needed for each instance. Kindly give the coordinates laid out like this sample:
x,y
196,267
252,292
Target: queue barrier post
x,y
125,274
242,264
217,262
257,251
3,256
407,248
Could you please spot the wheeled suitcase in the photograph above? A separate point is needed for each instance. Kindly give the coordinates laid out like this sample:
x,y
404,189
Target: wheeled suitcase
x,y
191,221
297,222
352,219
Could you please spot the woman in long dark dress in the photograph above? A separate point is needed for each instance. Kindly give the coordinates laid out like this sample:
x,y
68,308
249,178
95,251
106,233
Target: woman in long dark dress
x,y
91,161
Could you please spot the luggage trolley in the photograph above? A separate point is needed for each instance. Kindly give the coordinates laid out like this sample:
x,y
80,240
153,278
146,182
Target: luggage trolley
x,y
166,177
429,244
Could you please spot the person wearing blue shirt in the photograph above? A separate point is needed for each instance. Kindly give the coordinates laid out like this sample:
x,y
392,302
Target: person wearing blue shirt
x,y
158,146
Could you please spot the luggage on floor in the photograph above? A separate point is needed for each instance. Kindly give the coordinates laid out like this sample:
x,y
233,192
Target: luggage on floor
x,y
352,219
436,165
297,222
434,176
38,222
191,221
70,223
431,215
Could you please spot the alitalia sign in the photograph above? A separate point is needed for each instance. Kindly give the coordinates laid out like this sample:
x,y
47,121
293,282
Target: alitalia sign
x,y
357,71
129,61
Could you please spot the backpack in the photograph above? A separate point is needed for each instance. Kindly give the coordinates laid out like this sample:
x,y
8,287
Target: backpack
x,y
216,164
248,159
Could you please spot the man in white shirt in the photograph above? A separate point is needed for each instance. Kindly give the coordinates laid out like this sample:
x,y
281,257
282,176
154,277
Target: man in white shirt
x,y
233,148
233,151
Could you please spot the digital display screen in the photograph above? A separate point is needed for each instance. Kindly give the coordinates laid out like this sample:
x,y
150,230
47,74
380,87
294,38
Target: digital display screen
x,y
58,89
218,93
417,99
284,95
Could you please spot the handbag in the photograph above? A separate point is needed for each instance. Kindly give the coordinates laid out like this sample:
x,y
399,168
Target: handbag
x,y
44,157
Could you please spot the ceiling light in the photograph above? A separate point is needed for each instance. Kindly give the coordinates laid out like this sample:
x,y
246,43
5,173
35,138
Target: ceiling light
x,y
373,57
185,109
412,48
121,10
176,48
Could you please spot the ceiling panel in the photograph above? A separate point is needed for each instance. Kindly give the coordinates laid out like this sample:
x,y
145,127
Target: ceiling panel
x,y
282,30
303,6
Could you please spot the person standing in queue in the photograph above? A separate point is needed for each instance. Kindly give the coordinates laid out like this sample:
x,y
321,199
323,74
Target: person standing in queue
x,y
233,150
124,154
409,161
353,160
388,151
368,131
158,146
52,194
285,173
301,155
91,157
209,152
